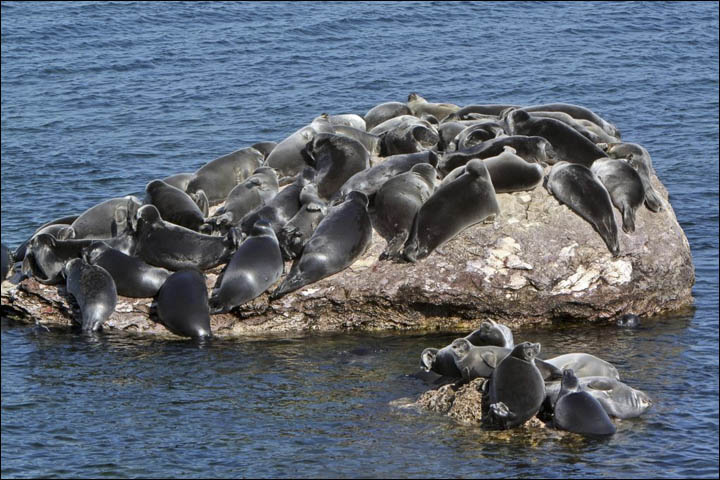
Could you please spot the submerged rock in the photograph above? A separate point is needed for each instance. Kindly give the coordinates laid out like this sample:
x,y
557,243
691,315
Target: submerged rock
x,y
537,262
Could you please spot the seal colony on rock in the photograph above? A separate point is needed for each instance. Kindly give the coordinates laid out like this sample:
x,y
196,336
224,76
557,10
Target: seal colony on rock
x,y
419,173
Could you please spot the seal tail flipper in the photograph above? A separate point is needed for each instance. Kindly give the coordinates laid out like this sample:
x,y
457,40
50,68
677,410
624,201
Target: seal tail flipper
x,y
652,200
291,283
628,215
394,247
501,414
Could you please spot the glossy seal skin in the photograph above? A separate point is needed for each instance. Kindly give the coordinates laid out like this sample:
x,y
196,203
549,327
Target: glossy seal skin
x,y
218,177
579,412
440,361
510,173
578,188
59,228
94,291
47,256
342,236
624,186
578,113
175,206
569,145
530,149
133,278
396,204
254,267
297,231
335,158
467,200
287,158
384,111
492,333
165,245
638,158
516,389
107,219
255,192
618,399
585,365
182,304
475,362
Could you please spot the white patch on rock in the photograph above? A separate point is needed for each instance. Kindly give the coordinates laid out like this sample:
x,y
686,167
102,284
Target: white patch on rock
x,y
517,281
617,272
309,291
568,251
514,262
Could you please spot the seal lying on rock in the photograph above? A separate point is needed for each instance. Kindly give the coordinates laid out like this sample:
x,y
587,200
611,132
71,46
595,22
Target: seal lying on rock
x,y
577,411
94,291
182,304
618,399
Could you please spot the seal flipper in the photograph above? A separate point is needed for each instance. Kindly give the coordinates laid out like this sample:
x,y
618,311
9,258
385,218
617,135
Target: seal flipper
x,y
501,414
548,371
652,200
628,216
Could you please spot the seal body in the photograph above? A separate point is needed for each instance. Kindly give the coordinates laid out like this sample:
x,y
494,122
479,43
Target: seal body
x,y
182,304
409,137
297,231
384,111
19,253
175,206
335,158
179,180
419,107
254,267
585,365
370,180
516,389
638,158
398,201
577,411
510,173
476,362
340,238
218,177
287,158
106,219
492,333
47,256
569,145
451,209
173,247
133,277
578,188
618,399
372,143
94,291
282,207
253,193
440,361
578,113
530,149
480,132
624,186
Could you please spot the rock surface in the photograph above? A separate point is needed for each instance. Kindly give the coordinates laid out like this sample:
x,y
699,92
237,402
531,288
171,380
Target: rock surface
x,y
535,263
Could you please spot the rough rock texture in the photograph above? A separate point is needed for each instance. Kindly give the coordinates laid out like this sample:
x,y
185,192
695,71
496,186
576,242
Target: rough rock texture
x,y
535,263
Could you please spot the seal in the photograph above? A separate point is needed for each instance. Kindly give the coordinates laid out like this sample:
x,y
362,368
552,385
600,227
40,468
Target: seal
x,y
175,206
370,180
476,362
133,278
510,173
440,361
19,253
218,177
179,180
254,267
170,246
409,137
419,107
282,207
7,261
638,158
287,158
384,111
342,236
372,143
401,121
398,201
253,193
617,399
107,219
569,145
492,333
476,134
94,291
530,149
578,188
469,111
585,365
264,147
335,158
579,412
46,257
578,113
182,304
624,186
346,120
447,131
297,231
585,128
516,389
201,201
467,200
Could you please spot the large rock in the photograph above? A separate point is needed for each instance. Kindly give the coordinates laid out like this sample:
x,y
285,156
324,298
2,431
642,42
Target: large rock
x,y
535,263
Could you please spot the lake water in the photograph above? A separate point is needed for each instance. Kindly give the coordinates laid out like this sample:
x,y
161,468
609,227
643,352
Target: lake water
x,y
99,99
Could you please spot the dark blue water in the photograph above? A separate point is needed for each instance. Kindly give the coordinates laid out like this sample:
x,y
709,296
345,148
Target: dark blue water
x,y
99,99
